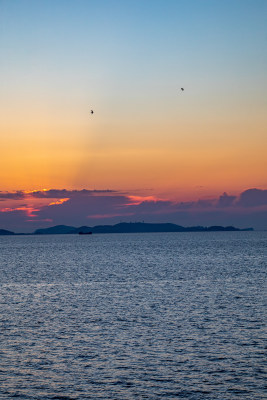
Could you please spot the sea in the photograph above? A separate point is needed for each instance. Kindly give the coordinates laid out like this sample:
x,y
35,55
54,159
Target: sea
x,y
133,316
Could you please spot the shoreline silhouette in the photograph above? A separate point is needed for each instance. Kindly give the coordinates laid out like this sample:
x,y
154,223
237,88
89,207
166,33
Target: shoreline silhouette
x,y
126,227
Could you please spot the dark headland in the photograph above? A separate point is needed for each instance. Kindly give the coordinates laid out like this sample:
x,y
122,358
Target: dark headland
x,y
5,232
128,227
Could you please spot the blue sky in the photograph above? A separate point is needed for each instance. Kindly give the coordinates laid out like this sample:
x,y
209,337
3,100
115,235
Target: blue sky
x,y
134,47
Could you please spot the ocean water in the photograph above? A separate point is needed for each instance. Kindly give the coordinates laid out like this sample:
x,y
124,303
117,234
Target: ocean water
x,y
138,316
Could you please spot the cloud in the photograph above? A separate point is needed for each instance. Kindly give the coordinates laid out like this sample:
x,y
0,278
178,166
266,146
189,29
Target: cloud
x,y
79,209
204,204
253,198
51,193
63,193
225,200
18,195
153,207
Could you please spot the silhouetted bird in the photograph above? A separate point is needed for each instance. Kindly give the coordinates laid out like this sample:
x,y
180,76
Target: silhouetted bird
x,y
92,112
182,88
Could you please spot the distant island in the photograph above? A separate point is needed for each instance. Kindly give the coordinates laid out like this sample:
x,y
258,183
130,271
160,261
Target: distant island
x,y
5,232
127,227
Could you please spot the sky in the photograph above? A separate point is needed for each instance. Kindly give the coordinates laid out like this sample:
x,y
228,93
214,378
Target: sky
x,y
150,151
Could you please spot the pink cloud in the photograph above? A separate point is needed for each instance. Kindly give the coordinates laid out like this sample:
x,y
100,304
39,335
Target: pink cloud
x,y
29,211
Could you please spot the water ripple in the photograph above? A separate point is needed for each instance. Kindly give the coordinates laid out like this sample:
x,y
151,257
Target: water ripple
x,y
149,316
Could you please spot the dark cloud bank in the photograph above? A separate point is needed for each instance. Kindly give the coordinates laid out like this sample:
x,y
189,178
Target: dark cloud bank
x,y
87,207
51,194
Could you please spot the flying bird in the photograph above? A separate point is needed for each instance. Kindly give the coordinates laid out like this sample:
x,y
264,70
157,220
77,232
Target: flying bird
x,y
182,89
92,111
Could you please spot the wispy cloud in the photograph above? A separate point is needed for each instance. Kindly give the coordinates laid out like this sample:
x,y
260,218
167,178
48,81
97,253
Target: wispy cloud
x,y
60,201
51,193
64,193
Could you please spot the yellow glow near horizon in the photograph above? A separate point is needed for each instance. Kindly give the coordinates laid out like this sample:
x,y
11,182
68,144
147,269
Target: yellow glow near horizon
x,y
101,152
